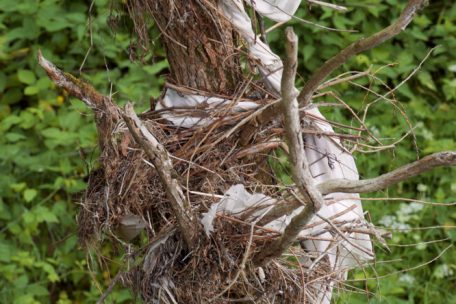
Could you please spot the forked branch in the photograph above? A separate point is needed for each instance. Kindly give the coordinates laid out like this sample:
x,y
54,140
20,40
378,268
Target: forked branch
x,y
301,171
357,47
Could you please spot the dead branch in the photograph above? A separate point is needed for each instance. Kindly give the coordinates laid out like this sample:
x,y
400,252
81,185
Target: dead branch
x,y
441,159
281,208
160,159
301,170
107,114
357,47
73,85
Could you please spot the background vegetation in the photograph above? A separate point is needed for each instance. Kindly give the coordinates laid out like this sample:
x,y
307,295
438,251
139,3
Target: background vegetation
x,y
48,140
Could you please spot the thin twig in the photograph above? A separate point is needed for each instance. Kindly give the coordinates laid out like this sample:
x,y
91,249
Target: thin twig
x,y
330,5
369,185
111,286
357,47
342,235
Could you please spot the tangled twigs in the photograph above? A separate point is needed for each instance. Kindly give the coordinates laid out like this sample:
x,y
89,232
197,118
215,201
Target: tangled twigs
x,y
357,47
160,159
108,114
300,165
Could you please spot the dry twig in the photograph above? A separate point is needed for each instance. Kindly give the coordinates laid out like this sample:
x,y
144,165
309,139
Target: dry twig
x,y
357,47
110,288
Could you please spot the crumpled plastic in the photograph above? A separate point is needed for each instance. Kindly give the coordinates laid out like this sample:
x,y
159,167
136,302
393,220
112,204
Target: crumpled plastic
x,y
188,111
236,201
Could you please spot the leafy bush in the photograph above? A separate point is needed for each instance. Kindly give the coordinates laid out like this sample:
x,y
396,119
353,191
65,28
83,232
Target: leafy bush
x,y
44,135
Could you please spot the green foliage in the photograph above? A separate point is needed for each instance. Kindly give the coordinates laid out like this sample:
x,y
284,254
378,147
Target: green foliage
x,y
45,133
429,100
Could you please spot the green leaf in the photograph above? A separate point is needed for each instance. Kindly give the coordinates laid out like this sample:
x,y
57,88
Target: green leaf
x,y
37,290
9,121
2,81
5,213
426,79
12,96
29,195
50,270
43,214
26,76
14,137
53,133
156,67
308,51
31,90
6,252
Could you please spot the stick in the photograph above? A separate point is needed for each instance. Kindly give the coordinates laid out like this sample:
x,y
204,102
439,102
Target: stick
x,y
357,47
106,112
330,5
111,286
441,159
73,85
160,159
301,171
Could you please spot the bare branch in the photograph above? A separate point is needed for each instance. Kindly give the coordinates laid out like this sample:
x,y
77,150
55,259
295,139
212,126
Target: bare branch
x,y
301,171
281,208
441,159
357,47
73,85
106,112
290,203
159,157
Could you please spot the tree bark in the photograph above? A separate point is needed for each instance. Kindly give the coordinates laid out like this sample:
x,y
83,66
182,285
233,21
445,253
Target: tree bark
x,y
199,43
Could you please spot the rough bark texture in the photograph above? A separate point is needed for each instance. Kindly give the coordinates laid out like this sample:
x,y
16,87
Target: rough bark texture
x,y
199,43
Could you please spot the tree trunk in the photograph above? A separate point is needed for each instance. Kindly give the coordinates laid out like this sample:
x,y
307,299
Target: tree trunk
x,y
200,45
